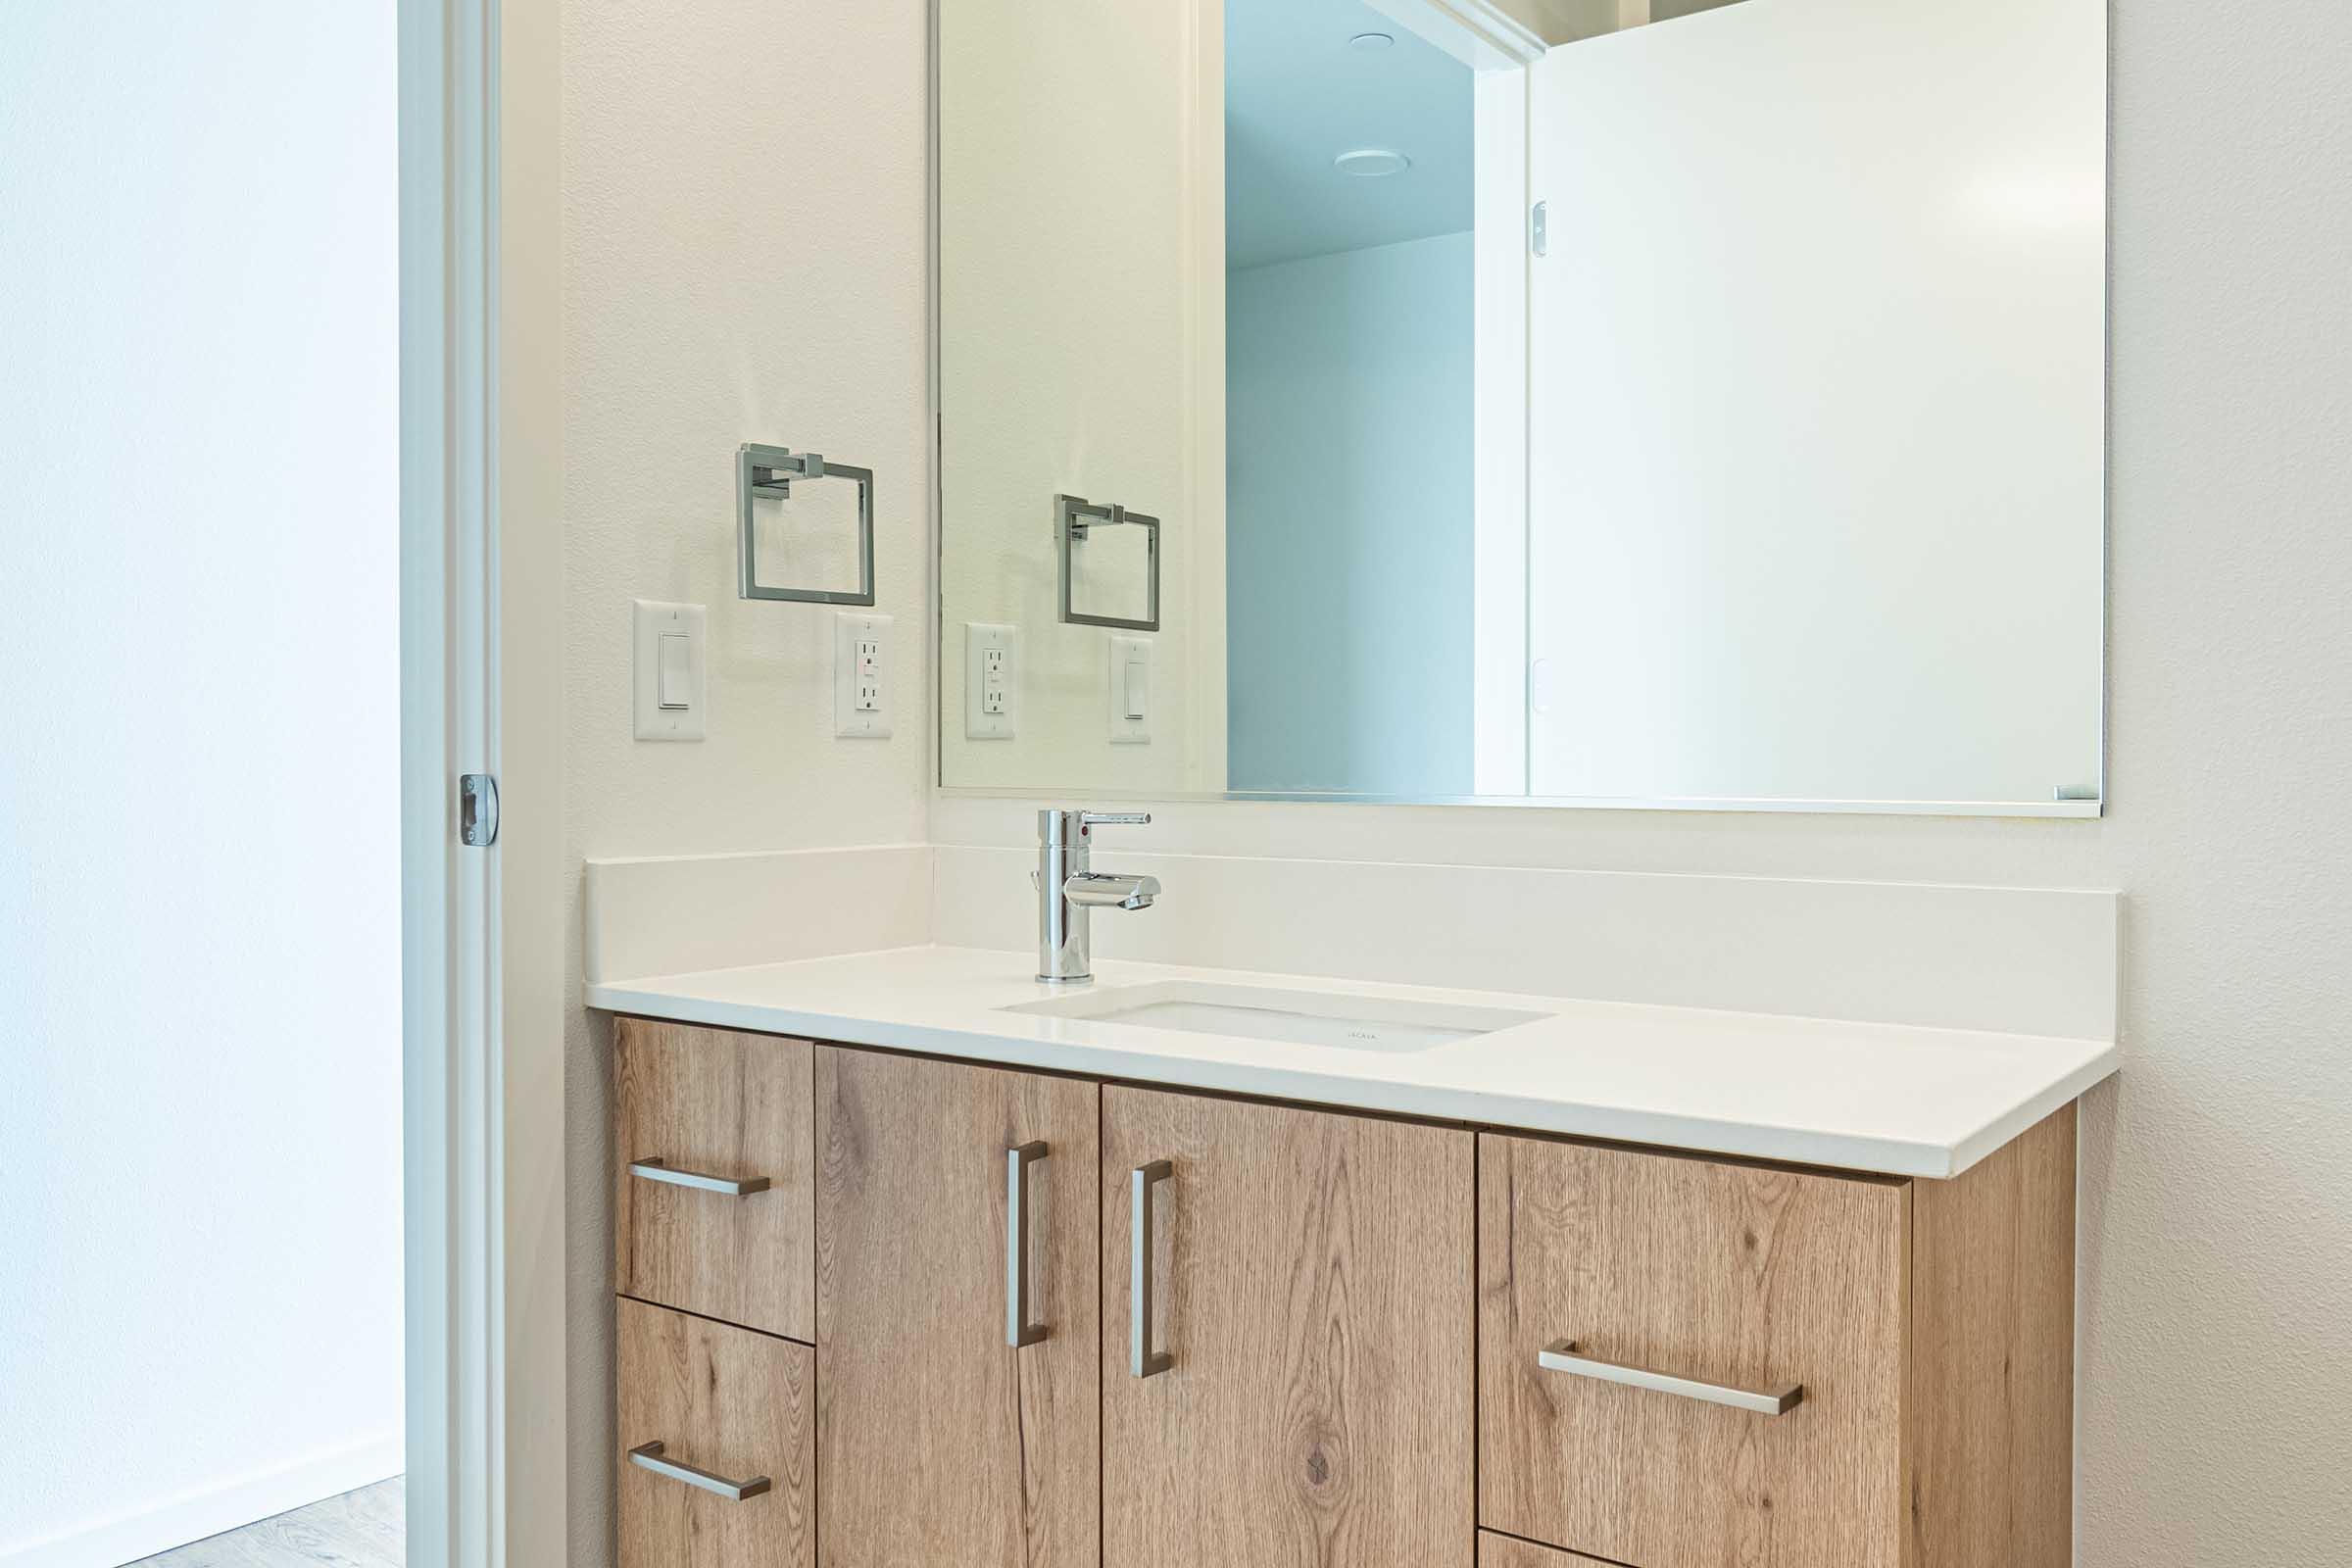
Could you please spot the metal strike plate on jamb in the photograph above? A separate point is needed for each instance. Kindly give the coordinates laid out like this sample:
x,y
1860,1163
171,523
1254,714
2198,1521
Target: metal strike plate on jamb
x,y
478,809
766,473
1074,518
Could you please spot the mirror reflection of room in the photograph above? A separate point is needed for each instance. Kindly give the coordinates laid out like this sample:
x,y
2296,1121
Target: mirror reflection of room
x,y
1350,597
1702,412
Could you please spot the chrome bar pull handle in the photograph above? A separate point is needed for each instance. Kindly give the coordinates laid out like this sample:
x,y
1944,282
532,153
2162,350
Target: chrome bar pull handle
x,y
648,1457
1564,1356
659,1170
1018,1330
1142,1360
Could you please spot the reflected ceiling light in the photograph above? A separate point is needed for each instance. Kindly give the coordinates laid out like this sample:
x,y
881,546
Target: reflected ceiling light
x,y
1371,163
1370,42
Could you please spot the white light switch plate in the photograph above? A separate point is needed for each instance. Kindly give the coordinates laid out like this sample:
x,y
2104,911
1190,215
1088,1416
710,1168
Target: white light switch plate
x,y
860,674
992,681
1129,680
672,710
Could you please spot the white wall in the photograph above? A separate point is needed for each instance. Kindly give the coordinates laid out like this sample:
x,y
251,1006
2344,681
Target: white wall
x,y
744,224
1348,600
2216,1227
2217,1186
199,858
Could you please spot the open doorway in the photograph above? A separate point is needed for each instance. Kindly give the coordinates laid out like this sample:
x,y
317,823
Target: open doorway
x,y
1349,382
199,873
1376,240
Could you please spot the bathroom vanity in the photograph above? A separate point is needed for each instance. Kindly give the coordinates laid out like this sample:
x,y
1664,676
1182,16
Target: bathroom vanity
x,y
920,1261
1376,405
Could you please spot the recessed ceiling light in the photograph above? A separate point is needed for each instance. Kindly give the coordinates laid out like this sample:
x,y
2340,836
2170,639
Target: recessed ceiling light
x,y
1371,163
1370,40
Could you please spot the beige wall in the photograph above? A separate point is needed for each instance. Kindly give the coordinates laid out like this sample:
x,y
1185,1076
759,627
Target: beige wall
x,y
1082,281
743,218
2218,1208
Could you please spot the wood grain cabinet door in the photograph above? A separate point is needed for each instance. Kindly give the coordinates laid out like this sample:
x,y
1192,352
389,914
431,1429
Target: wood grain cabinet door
x,y
1310,1285
942,1443
1735,1277
707,1410
713,1193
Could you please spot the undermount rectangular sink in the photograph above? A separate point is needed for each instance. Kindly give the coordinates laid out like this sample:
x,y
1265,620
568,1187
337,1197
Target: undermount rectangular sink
x,y
1303,1017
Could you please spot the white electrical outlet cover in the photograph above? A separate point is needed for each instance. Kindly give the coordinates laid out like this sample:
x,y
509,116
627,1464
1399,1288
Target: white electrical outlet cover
x,y
860,674
677,712
992,681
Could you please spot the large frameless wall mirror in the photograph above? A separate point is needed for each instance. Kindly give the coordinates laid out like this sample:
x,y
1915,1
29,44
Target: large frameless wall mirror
x,y
1361,398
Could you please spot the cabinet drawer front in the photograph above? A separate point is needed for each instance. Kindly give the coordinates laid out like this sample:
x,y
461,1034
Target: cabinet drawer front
x,y
716,1443
1691,1295
713,1199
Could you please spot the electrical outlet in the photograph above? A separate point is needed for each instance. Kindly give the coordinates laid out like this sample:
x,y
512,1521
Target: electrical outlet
x,y
860,674
992,681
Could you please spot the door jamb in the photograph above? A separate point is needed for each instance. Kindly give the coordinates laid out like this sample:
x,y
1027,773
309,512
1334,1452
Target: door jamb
x,y
481,951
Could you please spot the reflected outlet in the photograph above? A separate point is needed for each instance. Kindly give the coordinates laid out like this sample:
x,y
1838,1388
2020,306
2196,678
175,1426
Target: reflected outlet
x,y
992,680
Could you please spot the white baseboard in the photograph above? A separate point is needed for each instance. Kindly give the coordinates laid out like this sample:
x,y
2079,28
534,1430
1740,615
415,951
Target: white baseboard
x,y
207,1511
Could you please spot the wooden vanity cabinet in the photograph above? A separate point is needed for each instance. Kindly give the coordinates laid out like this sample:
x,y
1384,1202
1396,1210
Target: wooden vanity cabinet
x,y
1300,1390
958,1316
940,1440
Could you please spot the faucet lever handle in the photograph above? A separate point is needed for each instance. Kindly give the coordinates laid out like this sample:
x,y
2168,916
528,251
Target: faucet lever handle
x,y
1092,819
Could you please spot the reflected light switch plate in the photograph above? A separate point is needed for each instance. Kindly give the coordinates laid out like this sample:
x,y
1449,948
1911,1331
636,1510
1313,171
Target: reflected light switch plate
x,y
667,690
1130,682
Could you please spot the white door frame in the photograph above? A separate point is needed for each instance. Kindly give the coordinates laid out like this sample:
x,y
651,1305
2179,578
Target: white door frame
x,y
448,892
481,945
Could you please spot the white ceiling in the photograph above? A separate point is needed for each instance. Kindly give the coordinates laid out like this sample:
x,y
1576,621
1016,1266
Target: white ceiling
x,y
1297,95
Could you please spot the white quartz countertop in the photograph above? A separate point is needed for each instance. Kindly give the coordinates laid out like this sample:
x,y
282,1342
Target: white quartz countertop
x,y
1895,1099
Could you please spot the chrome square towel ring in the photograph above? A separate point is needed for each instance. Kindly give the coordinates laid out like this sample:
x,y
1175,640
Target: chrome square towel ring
x,y
766,474
1073,518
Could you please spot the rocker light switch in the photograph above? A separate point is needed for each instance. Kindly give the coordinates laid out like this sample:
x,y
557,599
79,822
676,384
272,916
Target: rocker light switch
x,y
1130,678
677,671
1139,689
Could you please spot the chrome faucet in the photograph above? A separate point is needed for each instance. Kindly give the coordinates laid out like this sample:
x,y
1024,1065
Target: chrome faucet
x,y
1070,890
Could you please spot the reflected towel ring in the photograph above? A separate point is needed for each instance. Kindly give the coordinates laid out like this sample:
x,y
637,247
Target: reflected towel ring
x,y
1074,518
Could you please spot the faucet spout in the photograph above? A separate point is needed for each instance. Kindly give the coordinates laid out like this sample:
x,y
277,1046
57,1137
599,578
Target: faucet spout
x,y
1108,890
